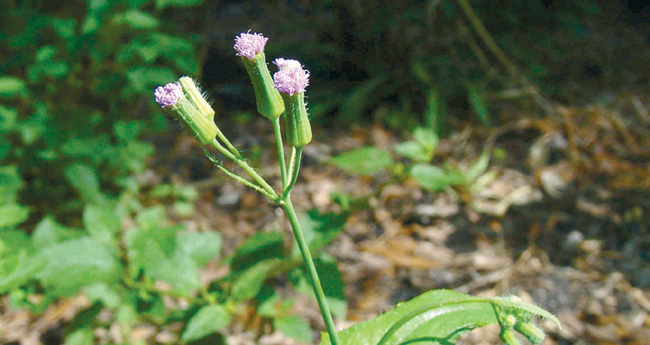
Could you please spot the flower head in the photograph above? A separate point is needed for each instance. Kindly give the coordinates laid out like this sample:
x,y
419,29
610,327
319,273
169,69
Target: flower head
x,y
287,63
249,44
291,78
168,95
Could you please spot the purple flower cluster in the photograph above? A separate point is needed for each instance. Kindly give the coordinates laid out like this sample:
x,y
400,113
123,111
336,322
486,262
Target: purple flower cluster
x,y
291,78
168,95
250,44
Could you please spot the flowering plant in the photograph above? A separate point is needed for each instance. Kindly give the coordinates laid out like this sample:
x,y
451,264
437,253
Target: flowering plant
x,y
436,317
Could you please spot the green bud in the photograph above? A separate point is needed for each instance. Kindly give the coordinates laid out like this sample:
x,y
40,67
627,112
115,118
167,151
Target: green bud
x,y
509,337
533,333
269,102
192,91
201,124
298,127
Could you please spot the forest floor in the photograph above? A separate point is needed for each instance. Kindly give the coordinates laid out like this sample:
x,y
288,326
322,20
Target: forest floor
x,y
564,224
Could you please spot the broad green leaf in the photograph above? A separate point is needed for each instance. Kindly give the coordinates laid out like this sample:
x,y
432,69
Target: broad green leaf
x,y
12,86
200,246
319,229
103,293
208,320
8,117
249,283
73,264
413,150
436,317
12,215
426,137
82,336
10,184
333,284
101,222
478,168
364,161
434,178
49,232
12,241
294,327
84,180
136,19
262,246
18,269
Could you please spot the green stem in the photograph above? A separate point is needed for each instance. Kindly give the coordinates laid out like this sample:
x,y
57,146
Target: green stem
x,y
236,177
287,206
225,140
278,143
247,168
295,169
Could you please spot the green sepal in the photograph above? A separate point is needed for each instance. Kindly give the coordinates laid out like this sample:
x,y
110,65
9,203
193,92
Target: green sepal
x,y
201,124
298,126
533,333
269,102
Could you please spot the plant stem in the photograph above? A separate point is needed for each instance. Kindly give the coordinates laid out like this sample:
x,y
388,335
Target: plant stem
x,y
225,140
287,206
247,168
278,143
295,169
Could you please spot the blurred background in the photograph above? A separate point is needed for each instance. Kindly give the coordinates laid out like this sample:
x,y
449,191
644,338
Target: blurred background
x,y
556,91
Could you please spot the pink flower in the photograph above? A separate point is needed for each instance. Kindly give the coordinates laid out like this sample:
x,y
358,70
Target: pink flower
x,y
168,95
250,44
289,63
291,78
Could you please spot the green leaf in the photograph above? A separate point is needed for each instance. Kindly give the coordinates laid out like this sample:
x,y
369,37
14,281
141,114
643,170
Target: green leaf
x,y
294,327
364,161
84,180
200,246
101,222
262,246
249,283
480,107
426,137
10,184
136,19
436,317
160,4
434,178
12,215
17,269
49,232
144,79
208,320
11,87
82,336
8,117
73,264
478,168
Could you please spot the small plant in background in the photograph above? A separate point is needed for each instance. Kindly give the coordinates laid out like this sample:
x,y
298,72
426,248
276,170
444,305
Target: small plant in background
x,y
420,151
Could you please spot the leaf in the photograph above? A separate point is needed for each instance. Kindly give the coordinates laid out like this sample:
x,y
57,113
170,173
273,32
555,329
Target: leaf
x,y
17,269
262,246
480,107
160,4
101,222
12,86
208,320
49,232
200,246
294,327
12,215
136,19
8,117
84,180
364,161
434,178
73,264
426,137
249,283
82,336
479,167
437,317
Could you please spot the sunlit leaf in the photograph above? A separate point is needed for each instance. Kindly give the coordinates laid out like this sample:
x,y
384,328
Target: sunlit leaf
x,y
364,161
209,319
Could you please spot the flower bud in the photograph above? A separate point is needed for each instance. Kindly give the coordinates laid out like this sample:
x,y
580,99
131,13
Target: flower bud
x,y
291,80
197,115
251,49
533,333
